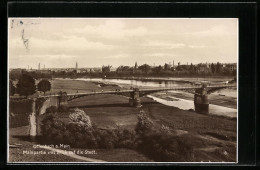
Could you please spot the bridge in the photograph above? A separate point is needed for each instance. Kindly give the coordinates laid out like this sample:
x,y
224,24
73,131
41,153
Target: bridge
x,y
41,103
134,94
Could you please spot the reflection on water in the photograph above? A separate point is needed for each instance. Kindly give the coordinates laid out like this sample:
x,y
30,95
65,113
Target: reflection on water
x,y
138,83
188,104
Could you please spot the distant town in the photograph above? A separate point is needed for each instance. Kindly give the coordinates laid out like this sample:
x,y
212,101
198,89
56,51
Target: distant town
x,y
168,69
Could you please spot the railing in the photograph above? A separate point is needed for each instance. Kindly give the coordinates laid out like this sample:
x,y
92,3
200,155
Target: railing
x,y
129,91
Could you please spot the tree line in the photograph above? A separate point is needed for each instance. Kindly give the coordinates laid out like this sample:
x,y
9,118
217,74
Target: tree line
x,y
165,70
168,70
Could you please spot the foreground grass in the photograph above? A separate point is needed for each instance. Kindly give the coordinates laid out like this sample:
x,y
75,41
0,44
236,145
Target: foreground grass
x,y
19,136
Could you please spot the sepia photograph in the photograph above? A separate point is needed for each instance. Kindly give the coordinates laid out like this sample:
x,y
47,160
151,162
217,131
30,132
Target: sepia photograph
x,y
122,90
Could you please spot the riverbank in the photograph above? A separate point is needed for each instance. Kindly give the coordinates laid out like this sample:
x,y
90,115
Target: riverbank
x,y
216,99
216,79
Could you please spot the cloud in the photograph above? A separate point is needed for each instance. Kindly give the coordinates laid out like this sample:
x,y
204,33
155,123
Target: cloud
x,y
117,56
161,55
69,45
93,42
219,30
111,29
164,45
197,46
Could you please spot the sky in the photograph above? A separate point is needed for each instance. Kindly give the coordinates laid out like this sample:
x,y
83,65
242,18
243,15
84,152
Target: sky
x,y
93,42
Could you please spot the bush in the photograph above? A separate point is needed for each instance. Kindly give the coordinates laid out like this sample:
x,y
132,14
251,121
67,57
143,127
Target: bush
x,y
63,108
160,144
144,125
52,109
162,147
126,139
80,116
107,139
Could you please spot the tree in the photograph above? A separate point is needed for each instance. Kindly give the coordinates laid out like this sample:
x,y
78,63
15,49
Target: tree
x,y
158,69
106,69
167,67
179,68
145,68
11,88
218,68
213,69
26,85
44,85
123,69
192,68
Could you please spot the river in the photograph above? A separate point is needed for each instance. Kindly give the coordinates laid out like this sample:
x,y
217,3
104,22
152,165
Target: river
x,y
180,103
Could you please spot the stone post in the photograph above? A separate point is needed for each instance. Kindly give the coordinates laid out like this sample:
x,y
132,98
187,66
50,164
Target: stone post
x,y
32,120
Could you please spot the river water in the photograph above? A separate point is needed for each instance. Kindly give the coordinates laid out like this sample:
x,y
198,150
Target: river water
x,y
139,83
180,103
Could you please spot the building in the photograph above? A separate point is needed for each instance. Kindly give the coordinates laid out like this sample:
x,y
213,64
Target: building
x,y
232,67
77,69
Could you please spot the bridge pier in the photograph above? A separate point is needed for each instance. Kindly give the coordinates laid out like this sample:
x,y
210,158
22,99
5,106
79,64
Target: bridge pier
x,y
63,99
134,99
201,101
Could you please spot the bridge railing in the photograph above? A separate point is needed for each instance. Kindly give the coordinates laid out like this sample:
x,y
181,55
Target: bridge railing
x,y
188,87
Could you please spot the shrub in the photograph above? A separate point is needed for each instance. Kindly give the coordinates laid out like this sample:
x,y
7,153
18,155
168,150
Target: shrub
x,y
163,147
165,130
63,108
107,139
160,144
126,139
52,109
79,116
144,125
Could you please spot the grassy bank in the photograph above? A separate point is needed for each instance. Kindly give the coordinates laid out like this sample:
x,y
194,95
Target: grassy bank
x,y
212,138
74,86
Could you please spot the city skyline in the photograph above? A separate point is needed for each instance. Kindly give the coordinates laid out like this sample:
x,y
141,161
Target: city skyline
x,y
59,43
82,67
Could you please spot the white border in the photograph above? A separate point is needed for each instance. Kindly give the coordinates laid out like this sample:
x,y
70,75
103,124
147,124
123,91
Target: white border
x,y
124,163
